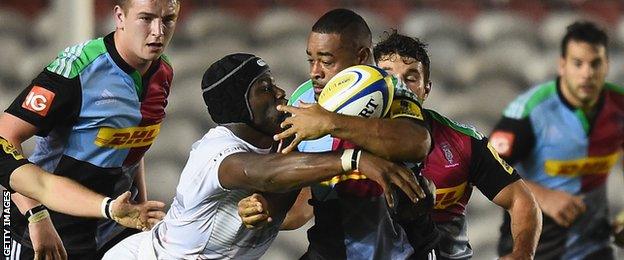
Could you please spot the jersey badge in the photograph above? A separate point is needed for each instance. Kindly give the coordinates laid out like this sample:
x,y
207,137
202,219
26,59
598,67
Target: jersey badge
x,y
503,142
39,100
448,155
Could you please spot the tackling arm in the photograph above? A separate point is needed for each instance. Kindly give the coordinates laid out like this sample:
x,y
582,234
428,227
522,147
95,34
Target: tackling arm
x,y
398,139
284,172
384,137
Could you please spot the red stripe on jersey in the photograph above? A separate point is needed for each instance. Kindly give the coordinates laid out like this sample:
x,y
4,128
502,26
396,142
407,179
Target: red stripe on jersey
x,y
606,137
448,166
153,106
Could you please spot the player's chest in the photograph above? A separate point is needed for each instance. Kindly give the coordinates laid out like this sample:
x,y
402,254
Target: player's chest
x,y
115,100
448,164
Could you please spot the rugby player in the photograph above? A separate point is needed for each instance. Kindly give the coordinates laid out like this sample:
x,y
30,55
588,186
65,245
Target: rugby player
x,y
96,109
352,221
564,136
233,160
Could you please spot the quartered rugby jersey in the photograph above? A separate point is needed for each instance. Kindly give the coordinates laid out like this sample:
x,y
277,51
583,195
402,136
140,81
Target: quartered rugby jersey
x,y
559,147
96,117
460,159
352,220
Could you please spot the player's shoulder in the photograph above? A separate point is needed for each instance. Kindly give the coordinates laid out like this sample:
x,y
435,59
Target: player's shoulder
x,y
302,93
524,104
459,127
165,58
72,60
614,88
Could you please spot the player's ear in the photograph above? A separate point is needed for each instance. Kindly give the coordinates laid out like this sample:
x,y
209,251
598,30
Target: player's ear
x,y
364,55
119,17
427,89
561,65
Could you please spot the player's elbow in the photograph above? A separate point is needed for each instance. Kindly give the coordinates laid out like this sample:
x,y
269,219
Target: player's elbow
x,y
524,201
274,184
267,181
294,221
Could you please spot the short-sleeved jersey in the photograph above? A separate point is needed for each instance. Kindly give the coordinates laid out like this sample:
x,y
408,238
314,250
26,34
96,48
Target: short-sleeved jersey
x,y
203,221
559,147
460,159
10,159
96,117
352,220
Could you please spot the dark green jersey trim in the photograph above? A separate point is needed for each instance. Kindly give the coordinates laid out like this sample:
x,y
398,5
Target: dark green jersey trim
x,y
462,128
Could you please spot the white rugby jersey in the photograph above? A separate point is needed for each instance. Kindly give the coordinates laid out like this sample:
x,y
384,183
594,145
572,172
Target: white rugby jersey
x,y
203,221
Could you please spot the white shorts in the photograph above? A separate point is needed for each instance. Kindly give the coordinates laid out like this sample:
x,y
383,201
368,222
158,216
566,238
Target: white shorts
x,y
136,247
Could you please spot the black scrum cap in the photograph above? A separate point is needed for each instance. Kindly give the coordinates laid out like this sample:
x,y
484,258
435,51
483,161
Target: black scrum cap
x,y
226,84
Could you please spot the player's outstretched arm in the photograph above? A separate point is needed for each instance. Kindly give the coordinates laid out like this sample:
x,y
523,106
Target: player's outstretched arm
x,y
398,139
526,219
285,172
64,195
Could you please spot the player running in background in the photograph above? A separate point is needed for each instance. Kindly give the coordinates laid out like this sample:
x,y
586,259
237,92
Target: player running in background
x,y
96,109
460,159
233,160
565,136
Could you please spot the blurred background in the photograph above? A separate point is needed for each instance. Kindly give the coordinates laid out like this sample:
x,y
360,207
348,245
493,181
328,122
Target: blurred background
x,y
483,54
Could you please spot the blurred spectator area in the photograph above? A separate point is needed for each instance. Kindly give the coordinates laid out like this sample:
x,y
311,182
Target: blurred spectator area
x,y
495,48
480,50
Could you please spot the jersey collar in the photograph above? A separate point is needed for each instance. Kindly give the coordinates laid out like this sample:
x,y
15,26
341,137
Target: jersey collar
x,y
599,104
109,42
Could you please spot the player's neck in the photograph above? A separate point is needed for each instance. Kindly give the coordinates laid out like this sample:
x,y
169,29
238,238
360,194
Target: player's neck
x,y
251,135
575,102
141,65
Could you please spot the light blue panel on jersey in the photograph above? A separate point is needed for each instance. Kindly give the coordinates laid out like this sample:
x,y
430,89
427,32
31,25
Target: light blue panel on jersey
x,y
323,144
109,100
49,150
554,124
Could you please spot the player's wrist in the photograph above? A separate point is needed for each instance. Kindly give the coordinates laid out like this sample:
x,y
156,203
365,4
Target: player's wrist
x,y
37,214
106,208
350,159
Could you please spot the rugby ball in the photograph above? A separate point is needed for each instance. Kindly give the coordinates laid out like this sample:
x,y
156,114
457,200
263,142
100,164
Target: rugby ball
x,y
361,90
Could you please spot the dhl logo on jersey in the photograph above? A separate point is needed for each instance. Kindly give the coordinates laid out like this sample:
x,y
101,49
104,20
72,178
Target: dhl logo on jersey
x,y
127,137
353,175
448,196
583,166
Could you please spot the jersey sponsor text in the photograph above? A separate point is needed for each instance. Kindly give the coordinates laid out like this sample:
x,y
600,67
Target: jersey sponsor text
x,y
127,137
583,166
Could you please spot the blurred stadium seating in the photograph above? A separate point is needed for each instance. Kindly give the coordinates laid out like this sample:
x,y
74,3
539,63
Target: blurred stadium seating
x,y
480,50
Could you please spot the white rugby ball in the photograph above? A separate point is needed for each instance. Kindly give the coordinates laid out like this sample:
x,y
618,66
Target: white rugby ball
x,y
360,90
